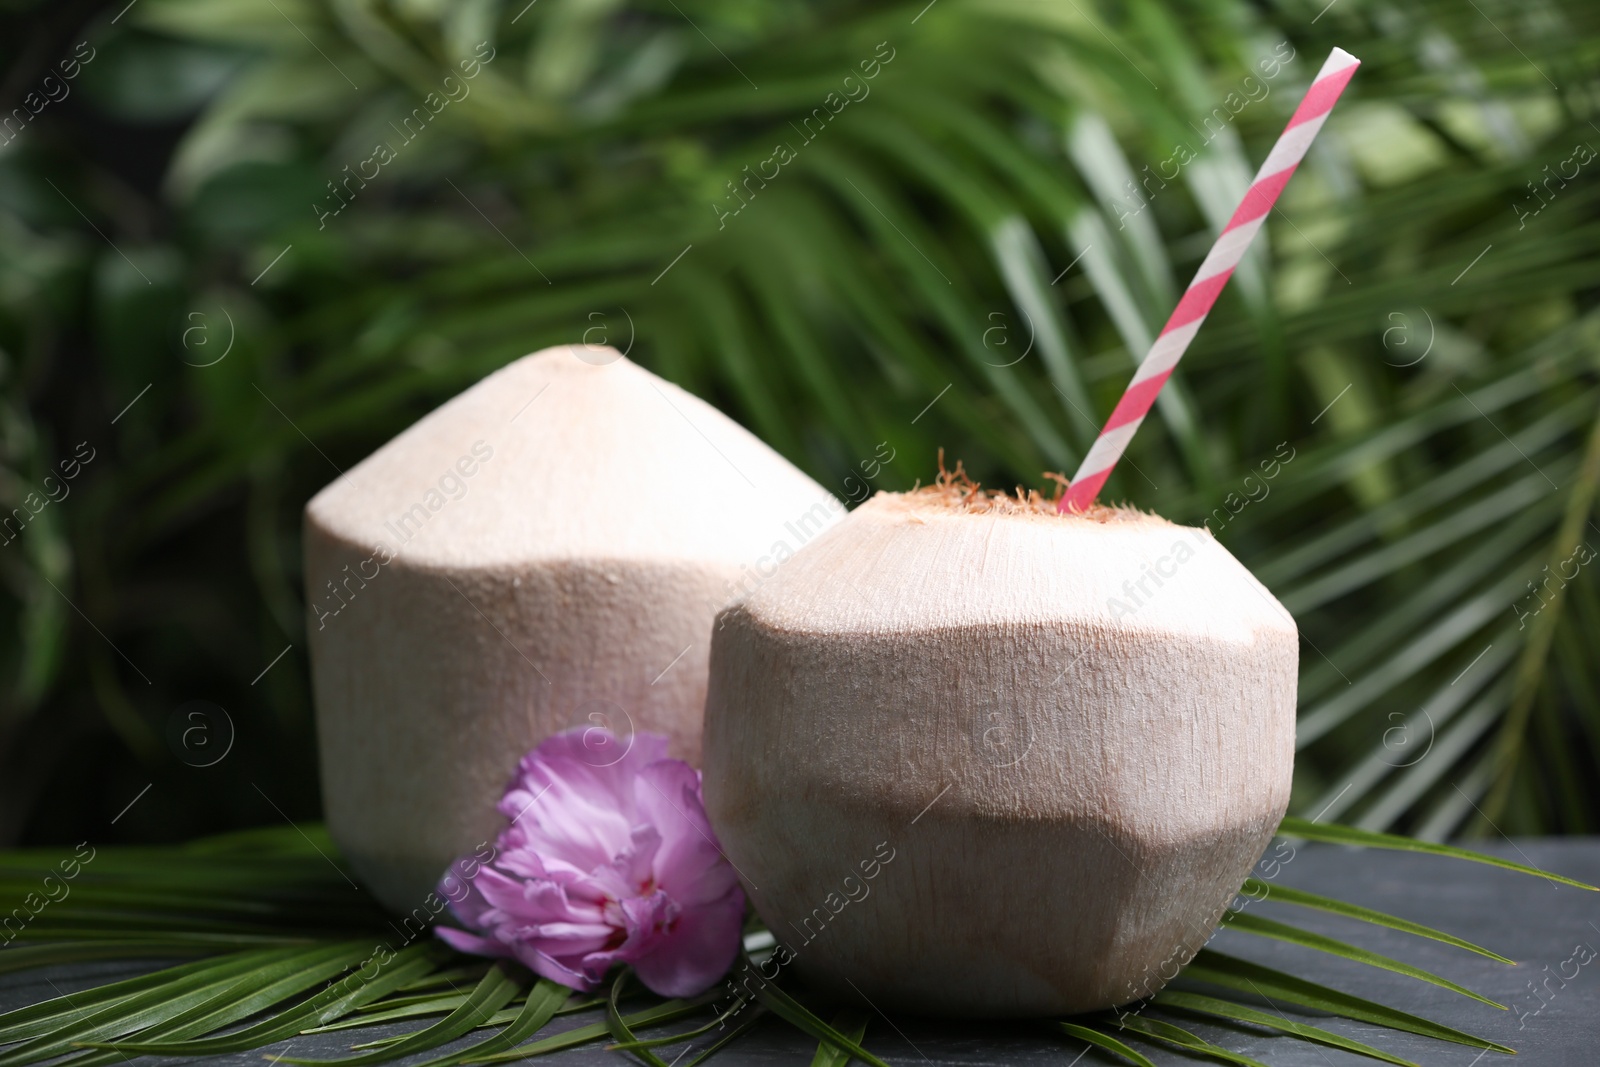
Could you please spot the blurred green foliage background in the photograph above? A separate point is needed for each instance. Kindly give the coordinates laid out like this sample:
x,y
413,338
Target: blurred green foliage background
x,y
214,291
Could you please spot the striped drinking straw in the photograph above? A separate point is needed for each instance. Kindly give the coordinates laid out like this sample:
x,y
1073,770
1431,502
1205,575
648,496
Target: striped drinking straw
x,y
1208,281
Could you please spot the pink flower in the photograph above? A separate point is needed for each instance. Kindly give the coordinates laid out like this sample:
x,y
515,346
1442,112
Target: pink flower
x,y
608,859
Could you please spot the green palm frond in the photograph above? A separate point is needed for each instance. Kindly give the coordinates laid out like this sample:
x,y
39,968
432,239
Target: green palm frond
x,y
1216,1008
1102,1040
337,964
967,248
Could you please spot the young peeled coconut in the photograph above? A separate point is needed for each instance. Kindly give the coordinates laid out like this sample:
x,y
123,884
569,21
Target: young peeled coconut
x,y
975,757
546,550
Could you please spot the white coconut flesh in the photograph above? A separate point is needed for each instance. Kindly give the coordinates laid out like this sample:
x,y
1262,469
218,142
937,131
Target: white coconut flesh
x,y
1074,735
558,540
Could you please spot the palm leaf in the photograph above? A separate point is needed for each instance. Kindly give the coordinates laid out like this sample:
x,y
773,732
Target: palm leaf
x,y
719,1022
751,1019
492,993
1227,1009
666,1012
543,1003
199,989
1256,889
1242,976
1107,1042
354,990
1256,924
792,1011
188,1008
850,1023
1349,835
1171,1034
35,1019
618,1026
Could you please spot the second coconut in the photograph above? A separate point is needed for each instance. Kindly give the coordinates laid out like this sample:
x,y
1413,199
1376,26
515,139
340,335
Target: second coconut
x,y
975,757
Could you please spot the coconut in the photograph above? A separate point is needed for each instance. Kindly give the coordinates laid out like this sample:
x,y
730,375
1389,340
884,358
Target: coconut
x,y
547,549
974,757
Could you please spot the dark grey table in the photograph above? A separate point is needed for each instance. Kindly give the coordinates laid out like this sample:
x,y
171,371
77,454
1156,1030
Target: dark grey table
x,y
1537,923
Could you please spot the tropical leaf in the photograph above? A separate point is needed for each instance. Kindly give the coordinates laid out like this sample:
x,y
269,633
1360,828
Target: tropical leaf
x,y
1216,968
665,1012
543,1003
357,983
850,1023
1171,1034
1227,1009
720,1022
792,1011
1349,835
492,993
1263,927
1416,328
1105,1041
618,1026
353,990
1256,889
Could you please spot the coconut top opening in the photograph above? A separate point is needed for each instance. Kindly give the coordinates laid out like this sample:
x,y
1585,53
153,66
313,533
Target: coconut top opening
x,y
954,556
955,492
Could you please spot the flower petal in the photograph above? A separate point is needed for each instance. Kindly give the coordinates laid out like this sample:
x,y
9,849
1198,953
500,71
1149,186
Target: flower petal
x,y
689,864
547,966
697,951
572,797
472,944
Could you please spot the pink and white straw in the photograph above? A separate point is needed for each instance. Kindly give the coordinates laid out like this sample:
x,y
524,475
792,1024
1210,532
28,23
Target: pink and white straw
x,y
1208,281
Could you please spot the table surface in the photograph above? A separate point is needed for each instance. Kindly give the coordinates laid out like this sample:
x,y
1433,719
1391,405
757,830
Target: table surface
x,y
1538,923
